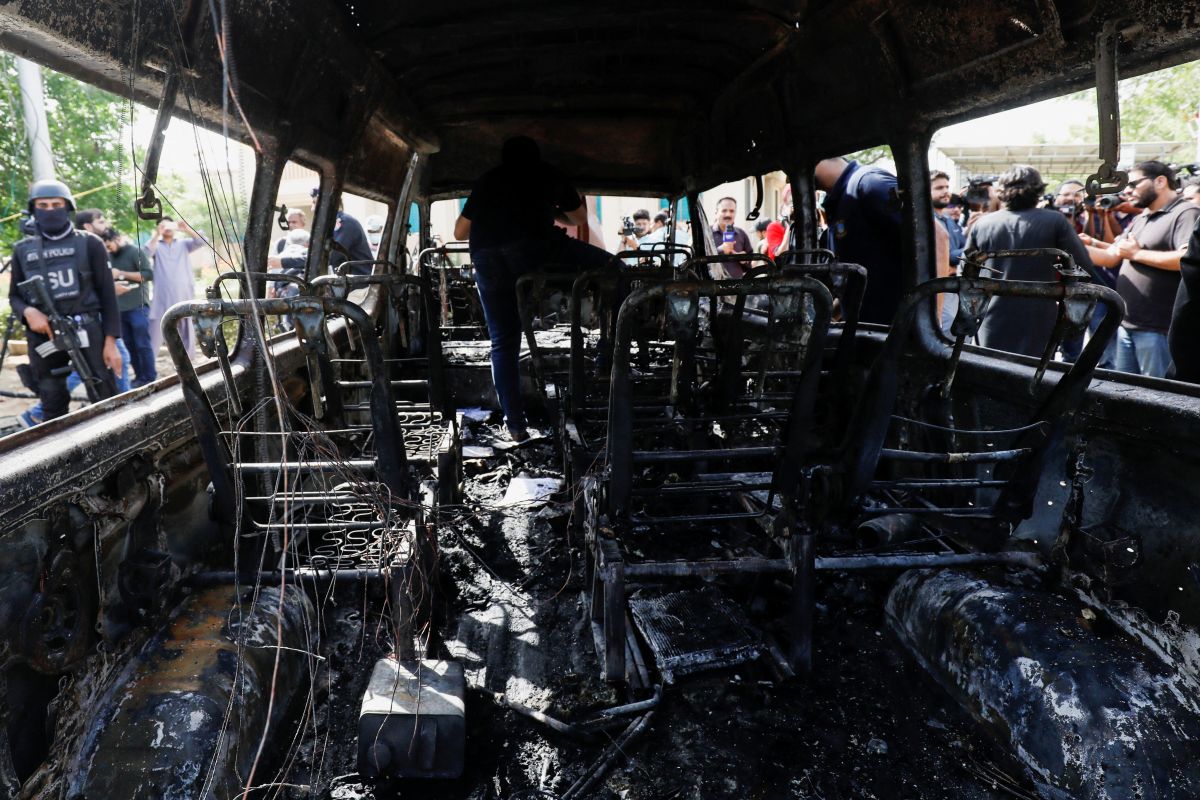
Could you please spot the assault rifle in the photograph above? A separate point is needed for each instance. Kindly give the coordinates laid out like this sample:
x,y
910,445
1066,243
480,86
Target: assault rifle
x,y
67,336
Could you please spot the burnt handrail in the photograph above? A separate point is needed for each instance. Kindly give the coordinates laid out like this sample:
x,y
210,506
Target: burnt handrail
x,y
345,265
977,260
727,258
214,290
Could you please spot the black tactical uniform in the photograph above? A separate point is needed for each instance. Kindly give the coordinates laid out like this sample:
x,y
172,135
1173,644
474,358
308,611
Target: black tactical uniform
x,y
75,267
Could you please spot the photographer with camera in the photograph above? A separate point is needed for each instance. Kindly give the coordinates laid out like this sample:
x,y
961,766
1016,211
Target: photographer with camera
x,y
663,233
1070,203
67,301
1148,254
634,229
1191,189
1101,218
979,198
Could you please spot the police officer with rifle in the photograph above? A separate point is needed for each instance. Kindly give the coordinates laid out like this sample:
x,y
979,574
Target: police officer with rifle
x,y
62,289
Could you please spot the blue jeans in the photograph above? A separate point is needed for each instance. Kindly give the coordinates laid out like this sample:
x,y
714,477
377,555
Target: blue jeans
x,y
1142,352
496,272
135,332
74,380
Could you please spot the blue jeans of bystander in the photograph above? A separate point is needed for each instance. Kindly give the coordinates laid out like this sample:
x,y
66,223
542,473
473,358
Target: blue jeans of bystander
x,y
1142,352
496,272
135,331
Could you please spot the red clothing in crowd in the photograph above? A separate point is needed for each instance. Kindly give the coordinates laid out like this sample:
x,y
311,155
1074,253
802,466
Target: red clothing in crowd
x,y
774,234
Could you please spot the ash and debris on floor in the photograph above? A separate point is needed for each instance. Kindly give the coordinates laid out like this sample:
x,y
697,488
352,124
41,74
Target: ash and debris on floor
x,y
866,724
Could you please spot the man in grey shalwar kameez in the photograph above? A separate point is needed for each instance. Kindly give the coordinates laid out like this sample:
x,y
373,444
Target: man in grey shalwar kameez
x,y
173,281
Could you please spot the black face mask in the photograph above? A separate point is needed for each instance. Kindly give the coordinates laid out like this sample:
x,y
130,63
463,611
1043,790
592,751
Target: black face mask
x,y
52,221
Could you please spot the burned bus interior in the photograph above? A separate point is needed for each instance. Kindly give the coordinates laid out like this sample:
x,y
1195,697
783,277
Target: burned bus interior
x,y
759,548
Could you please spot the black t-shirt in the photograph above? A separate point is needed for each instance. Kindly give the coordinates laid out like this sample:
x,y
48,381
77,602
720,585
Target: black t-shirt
x,y
130,258
1017,324
511,204
1149,292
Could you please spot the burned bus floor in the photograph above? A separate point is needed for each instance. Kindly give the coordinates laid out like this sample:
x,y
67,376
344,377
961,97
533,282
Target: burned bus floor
x,y
750,551
867,723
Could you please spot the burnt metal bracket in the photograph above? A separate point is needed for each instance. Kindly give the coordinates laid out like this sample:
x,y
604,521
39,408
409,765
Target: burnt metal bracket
x,y
972,304
147,205
211,339
310,330
758,199
1107,179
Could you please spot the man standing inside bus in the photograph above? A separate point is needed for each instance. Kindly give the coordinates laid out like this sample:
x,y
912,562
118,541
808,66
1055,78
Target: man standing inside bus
x,y
863,209
509,221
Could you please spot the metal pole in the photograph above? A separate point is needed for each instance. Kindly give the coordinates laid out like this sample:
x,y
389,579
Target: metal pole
x,y
29,79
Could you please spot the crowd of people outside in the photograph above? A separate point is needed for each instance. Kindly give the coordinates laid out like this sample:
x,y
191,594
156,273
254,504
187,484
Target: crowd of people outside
x,y
115,290
1144,242
1135,242
108,288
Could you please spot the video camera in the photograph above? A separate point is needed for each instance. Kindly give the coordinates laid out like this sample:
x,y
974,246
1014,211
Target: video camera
x,y
627,226
977,193
1192,170
1108,201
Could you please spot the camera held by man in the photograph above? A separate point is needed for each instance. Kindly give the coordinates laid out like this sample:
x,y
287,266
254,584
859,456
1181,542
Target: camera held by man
x,y
634,228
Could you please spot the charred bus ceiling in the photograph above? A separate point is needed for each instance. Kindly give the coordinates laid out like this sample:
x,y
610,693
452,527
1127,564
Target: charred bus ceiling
x,y
682,98
408,102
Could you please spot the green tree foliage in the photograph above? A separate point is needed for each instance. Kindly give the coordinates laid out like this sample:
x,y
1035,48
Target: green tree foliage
x,y
1161,106
872,154
85,133
1157,107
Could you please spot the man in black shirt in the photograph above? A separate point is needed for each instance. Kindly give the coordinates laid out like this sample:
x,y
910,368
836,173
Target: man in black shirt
x,y
1149,254
74,266
1184,336
1014,324
509,220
